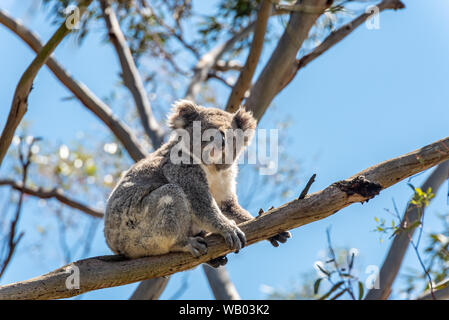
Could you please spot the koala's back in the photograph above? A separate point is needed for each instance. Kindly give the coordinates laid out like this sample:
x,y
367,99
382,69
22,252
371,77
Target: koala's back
x,y
125,212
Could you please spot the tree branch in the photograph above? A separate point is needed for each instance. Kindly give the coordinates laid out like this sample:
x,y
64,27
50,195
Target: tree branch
x,y
244,81
268,83
335,37
108,271
283,66
57,194
120,130
131,76
396,253
19,103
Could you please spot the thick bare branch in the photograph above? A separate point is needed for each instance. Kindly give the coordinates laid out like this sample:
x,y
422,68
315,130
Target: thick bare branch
x,y
52,194
19,103
79,90
396,253
214,75
244,81
108,271
131,76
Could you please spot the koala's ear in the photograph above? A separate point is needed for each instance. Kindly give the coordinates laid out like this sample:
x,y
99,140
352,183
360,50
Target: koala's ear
x,y
244,120
183,113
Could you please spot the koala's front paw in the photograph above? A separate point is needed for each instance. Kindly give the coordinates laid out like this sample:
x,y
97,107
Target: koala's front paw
x,y
281,237
234,237
197,246
218,262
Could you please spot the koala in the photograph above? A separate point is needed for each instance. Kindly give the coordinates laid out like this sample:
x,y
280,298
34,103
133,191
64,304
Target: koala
x,y
161,205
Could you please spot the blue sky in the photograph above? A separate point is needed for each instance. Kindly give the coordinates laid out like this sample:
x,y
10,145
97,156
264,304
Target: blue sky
x,y
376,95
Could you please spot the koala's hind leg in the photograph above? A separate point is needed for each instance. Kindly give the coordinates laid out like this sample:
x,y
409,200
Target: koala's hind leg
x,y
195,245
169,223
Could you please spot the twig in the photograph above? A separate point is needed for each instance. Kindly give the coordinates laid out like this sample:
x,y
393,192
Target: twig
x,y
307,187
55,193
25,161
214,75
210,59
426,272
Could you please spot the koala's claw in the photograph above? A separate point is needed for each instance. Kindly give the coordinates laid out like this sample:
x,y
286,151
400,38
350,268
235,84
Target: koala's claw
x,y
235,239
218,262
281,237
197,246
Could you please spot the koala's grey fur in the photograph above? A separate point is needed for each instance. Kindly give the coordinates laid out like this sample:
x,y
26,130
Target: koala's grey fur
x,y
159,207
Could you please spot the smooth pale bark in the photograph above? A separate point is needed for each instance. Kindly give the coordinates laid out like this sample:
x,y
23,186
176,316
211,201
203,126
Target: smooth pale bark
x,y
109,271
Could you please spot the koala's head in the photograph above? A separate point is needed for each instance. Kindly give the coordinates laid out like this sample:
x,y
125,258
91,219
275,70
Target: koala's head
x,y
219,136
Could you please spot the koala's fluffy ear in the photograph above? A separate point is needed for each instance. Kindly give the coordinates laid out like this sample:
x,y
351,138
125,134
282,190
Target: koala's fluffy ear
x,y
244,120
183,113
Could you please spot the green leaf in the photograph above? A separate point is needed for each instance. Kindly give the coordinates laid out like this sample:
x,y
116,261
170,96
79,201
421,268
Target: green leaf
x,y
412,187
327,273
351,263
316,285
360,290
